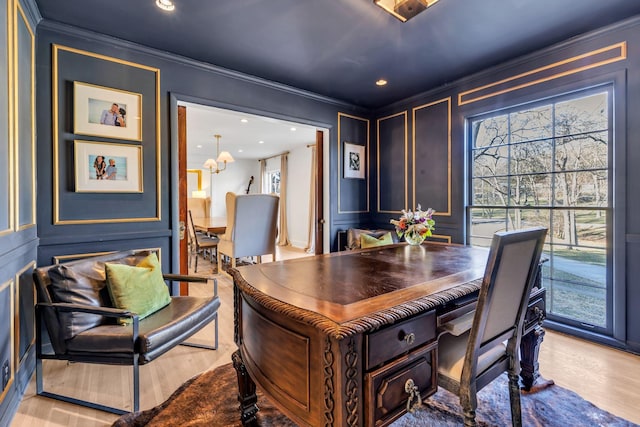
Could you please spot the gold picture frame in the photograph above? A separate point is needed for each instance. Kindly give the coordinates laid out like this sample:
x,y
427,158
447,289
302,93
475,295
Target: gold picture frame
x,y
107,167
106,112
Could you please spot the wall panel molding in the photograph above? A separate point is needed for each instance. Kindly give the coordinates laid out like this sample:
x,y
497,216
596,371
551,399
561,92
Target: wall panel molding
x,y
24,120
7,339
57,82
593,59
428,152
391,147
24,312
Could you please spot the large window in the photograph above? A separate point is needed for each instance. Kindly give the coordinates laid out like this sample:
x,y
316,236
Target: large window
x,y
548,164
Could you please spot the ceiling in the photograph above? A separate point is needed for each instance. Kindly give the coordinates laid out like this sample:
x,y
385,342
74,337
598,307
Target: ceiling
x,y
339,48
240,134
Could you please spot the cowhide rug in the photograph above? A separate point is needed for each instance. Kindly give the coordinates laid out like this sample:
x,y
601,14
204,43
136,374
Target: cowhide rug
x,y
210,399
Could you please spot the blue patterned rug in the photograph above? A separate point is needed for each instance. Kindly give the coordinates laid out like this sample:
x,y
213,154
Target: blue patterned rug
x,y
210,399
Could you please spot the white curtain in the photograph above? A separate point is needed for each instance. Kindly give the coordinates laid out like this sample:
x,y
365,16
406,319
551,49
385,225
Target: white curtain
x,y
263,170
283,235
311,239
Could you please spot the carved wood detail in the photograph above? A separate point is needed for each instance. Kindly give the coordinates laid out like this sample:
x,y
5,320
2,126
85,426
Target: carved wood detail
x,y
351,385
329,388
357,326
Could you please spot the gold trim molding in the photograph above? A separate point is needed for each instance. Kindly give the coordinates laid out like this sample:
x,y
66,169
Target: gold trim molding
x,y
406,159
55,98
19,13
368,158
575,64
431,104
10,120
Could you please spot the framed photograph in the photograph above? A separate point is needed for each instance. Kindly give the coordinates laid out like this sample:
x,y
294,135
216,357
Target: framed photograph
x,y
354,160
107,167
105,112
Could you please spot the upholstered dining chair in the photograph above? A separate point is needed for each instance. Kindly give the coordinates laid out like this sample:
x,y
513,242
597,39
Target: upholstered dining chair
x,y
469,359
251,227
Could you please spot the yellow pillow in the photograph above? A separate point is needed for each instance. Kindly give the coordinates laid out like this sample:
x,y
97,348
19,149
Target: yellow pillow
x,y
367,241
140,289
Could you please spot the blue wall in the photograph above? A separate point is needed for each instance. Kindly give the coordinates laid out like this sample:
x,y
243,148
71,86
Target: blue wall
x,y
419,142
435,156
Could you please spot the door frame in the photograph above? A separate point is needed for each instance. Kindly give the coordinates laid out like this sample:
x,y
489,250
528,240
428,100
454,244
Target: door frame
x,y
174,201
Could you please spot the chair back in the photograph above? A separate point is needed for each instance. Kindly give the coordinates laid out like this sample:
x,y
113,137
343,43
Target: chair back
x,y
509,276
252,223
80,282
199,207
191,231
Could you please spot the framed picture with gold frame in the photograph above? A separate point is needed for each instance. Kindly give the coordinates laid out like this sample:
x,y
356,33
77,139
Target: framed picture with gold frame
x,y
354,161
106,112
107,167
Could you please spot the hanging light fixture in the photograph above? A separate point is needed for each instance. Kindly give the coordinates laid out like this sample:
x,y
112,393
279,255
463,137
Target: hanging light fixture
x,y
224,158
404,9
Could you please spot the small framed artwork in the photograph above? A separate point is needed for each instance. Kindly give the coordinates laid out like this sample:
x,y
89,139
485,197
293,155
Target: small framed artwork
x,y
107,167
354,161
106,112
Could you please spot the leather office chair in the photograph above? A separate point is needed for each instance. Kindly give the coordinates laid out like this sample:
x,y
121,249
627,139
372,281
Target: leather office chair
x,y
469,359
200,244
251,227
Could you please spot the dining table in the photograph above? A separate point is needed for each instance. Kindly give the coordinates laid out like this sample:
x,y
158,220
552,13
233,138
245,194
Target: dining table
x,y
210,225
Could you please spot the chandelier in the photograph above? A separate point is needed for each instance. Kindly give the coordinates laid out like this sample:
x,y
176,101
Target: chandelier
x,y
221,158
404,9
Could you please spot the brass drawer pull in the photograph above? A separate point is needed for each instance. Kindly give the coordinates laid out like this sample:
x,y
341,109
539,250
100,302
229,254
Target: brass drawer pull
x,y
408,338
413,401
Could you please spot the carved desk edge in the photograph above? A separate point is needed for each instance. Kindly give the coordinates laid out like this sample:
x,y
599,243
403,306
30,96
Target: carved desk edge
x,y
356,326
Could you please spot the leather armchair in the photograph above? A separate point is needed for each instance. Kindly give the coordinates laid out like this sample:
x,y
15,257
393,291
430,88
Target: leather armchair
x,y
76,322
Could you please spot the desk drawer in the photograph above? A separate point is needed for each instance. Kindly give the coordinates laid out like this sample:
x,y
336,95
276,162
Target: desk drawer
x,y
385,387
386,344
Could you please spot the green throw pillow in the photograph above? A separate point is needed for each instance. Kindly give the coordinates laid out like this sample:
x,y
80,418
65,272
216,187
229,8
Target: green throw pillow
x,y
367,241
140,289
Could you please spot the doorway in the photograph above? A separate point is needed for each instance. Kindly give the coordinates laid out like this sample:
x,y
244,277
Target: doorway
x,y
249,137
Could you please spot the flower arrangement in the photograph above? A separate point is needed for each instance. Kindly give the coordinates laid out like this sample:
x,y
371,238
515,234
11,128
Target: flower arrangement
x,y
415,226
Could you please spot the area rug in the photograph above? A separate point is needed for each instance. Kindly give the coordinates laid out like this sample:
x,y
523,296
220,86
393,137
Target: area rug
x,y
210,399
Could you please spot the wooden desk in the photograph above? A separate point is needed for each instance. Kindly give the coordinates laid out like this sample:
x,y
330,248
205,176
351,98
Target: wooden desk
x,y
213,225
327,338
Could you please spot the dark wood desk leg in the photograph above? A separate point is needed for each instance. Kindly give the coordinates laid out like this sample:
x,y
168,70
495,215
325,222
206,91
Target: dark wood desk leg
x,y
529,350
246,392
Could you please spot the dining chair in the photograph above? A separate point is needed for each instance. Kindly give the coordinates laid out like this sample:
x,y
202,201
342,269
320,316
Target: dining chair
x,y
200,244
251,227
471,354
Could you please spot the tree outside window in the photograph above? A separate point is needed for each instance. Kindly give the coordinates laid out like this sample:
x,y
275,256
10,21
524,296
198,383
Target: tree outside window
x,y
548,165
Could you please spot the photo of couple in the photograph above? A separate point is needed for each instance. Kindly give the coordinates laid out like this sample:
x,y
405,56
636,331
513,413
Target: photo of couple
x,y
114,116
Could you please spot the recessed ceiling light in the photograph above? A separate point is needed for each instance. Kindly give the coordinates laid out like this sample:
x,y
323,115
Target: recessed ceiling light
x,y
244,120
381,82
198,146
260,142
165,5
293,129
240,150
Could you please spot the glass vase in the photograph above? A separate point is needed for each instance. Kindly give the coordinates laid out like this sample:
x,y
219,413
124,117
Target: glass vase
x,y
414,238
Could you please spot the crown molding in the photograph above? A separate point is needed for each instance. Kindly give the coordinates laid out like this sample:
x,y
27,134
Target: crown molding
x,y
32,12
183,60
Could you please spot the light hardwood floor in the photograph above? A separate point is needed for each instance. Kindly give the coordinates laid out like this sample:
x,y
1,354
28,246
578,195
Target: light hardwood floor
x,y
607,377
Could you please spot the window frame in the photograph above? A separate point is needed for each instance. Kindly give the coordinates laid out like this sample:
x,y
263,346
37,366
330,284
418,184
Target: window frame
x,y
615,300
